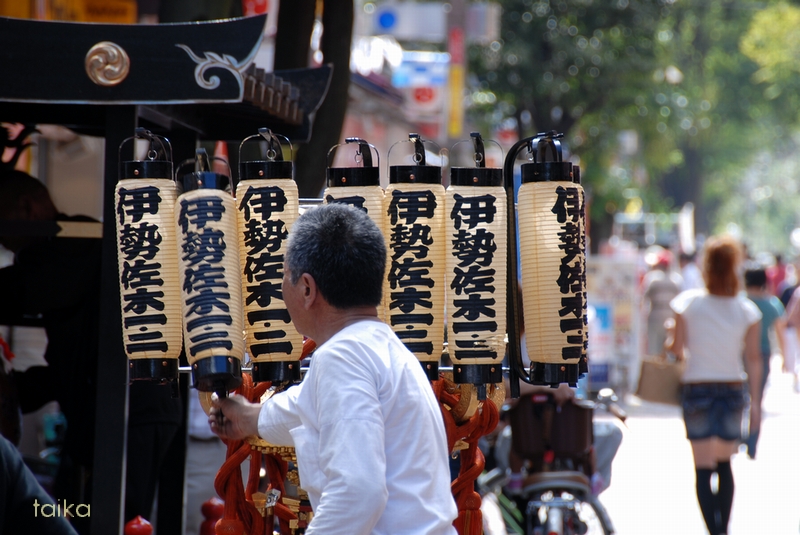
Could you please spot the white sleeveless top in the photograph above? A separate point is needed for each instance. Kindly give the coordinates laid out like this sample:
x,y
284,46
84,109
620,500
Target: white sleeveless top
x,y
715,332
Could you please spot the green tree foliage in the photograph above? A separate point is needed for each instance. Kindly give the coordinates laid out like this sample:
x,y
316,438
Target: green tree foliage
x,y
712,115
683,76
773,43
580,67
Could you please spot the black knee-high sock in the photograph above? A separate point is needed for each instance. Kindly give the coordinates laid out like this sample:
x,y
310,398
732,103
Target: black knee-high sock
x,y
724,494
707,499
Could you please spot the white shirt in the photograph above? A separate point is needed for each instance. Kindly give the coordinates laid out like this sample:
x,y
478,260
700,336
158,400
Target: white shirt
x,y
715,332
369,436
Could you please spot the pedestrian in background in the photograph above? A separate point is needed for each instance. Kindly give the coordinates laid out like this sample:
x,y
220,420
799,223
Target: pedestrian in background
x,y
791,358
661,284
776,273
713,329
773,323
692,277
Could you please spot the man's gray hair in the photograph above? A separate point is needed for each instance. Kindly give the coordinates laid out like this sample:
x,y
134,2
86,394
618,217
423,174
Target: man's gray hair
x,y
343,249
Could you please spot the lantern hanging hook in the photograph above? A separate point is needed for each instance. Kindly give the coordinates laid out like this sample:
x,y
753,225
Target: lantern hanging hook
x,y
158,145
274,151
202,165
478,150
547,145
419,149
419,155
363,153
271,154
480,153
152,152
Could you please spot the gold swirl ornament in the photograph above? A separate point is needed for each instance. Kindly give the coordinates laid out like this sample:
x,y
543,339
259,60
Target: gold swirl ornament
x,y
107,64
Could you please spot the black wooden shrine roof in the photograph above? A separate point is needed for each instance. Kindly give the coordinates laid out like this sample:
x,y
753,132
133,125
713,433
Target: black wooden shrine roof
x,y
199,76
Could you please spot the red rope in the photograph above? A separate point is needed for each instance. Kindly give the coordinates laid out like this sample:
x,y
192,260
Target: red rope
x,y
483,422
240,513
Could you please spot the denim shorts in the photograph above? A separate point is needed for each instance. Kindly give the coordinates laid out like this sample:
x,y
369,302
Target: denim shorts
x,y
714,410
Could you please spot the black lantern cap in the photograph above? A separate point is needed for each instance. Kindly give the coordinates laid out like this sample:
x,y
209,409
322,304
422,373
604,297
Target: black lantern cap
x,y
276,371
477,374
264,169
416,174
146,169
548,165
159,158
551,374
367,175
203,177
217,374
157,370
431,369
274,166
480,175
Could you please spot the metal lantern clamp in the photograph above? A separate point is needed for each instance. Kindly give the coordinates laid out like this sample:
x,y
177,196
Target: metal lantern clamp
x,y
147,253
476,303
267,207
549,174
415,231
210,281
358,186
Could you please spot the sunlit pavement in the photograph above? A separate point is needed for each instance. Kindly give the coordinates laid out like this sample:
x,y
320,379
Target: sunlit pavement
x,y
652,486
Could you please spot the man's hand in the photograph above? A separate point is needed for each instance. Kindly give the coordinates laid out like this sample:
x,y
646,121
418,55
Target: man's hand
x,y
234,418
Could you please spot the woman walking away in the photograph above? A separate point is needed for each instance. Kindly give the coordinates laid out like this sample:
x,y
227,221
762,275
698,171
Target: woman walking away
x,y
713,328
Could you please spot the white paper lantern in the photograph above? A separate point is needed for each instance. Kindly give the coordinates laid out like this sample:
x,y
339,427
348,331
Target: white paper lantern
x,y
552,266
147,253
267,206
416,245
476,219
210,282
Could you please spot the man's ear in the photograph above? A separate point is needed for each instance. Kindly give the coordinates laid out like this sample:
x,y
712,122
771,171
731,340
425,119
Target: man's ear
x,y
309,290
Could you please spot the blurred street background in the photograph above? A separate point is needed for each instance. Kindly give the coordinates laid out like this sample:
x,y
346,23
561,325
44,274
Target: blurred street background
x,y
652,486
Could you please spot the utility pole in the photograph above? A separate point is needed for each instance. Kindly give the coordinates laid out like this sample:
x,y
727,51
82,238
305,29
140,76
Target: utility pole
x,y
456,46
